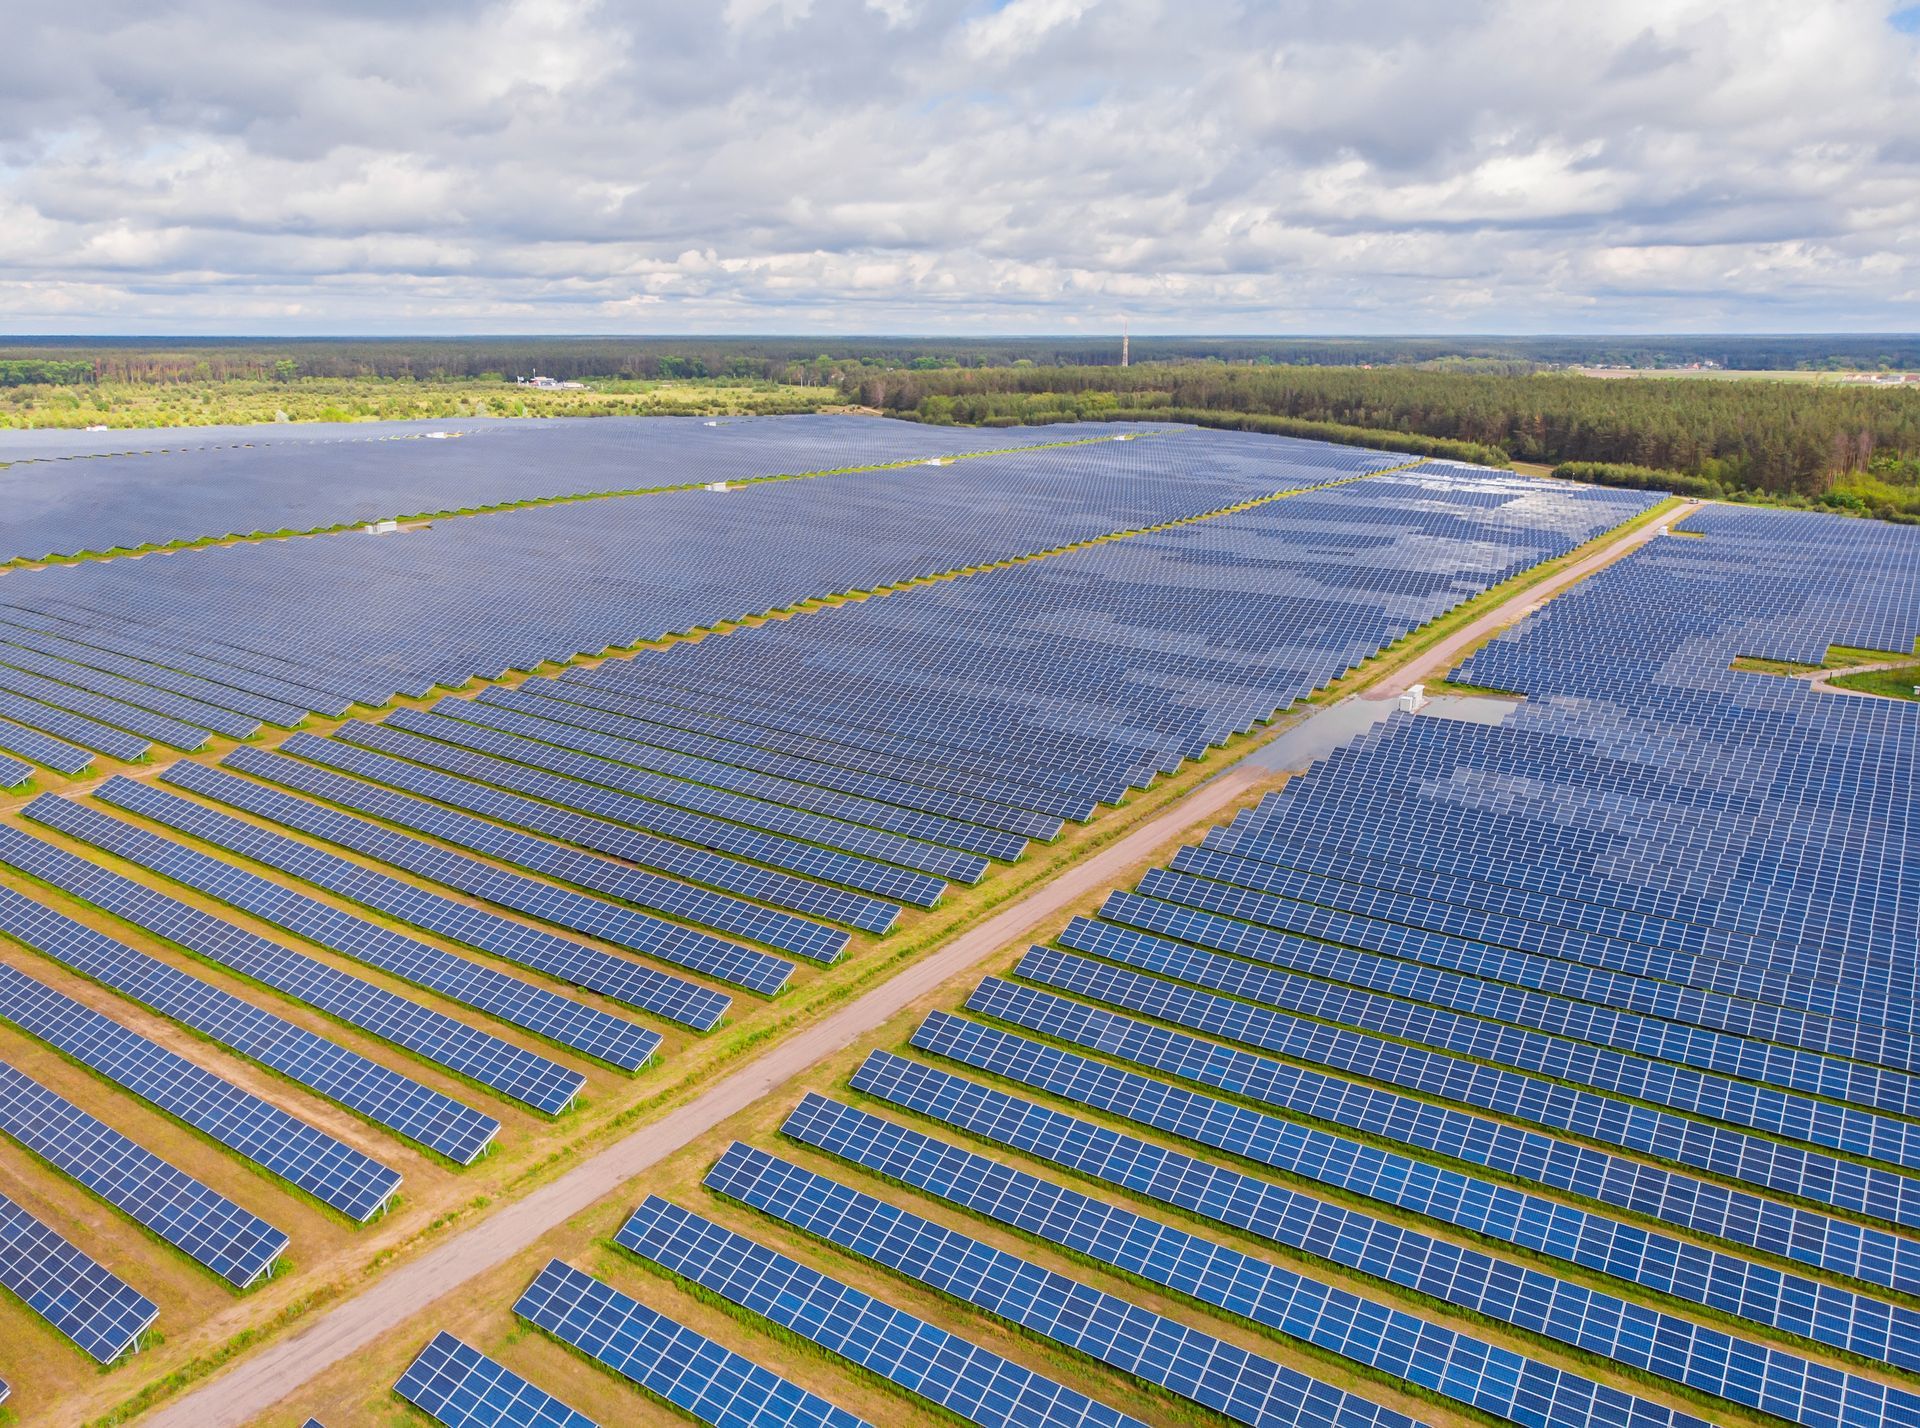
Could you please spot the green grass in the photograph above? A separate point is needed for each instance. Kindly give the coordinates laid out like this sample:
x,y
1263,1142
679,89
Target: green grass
x,y
1897,683
1757,664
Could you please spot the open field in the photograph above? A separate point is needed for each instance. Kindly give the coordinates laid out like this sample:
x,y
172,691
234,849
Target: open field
x,y
346,400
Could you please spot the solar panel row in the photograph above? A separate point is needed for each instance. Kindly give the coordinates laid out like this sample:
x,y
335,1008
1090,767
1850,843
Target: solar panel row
x,y
576,962
72,728
1706,1047
669,1360
1243,1386
461,1387
96,1309
1767,1164
1557,958
195,1219
398,1102
1816,1122
486,1058
634,717
602,836
44,749
1859,1251
1630,1255
974,1383
638,932
330,1170
610,763
624,741
522,767
676,899
1458,1366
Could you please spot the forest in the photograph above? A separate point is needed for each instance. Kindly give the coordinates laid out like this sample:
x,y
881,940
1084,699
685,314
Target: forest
x,y
1834,444
809,360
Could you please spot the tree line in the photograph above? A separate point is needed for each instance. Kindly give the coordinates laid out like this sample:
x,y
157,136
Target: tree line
x,y
1785,438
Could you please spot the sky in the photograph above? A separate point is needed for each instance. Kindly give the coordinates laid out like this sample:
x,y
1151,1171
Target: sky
x,y
918,167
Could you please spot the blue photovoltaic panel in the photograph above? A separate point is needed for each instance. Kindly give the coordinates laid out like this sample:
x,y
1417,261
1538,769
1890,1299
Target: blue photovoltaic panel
x,y
43,749
1241,1385
45,719
220,680
755,812
203,692
576,962
1632,1255
108,711
631,717
398,1102
100,1312
1596,971
330,1170
676,899
1826,1179
1790,1117
200,1222
689,1370
519,1073
14,772
1457,1366
607,736
127,691
974,1383
454,751
461,1387
1424,979
696,865
1768,1225
638,932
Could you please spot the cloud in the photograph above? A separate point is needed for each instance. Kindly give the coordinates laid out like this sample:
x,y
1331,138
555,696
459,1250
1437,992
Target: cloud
x,y
940,166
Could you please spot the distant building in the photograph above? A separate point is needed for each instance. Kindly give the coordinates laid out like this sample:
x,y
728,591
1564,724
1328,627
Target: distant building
x,y
548,384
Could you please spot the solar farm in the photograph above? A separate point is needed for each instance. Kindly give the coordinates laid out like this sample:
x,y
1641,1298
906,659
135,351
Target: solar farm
x,y
1544,1056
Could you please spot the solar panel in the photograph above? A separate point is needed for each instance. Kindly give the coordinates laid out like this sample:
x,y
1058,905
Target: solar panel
x,y
1241,1385
631,717
611,737
200,692
127,691
687,1369
694,864
330,1170
601,920
45,719
585,966
676,899
112,712
14,772
455,1384
456,750
754,812
43,749
522,1074
1629,1254
398,1102
92,1306
974,1383
1768,1225
198,1221
1791,1117
1824,1179
1458,1366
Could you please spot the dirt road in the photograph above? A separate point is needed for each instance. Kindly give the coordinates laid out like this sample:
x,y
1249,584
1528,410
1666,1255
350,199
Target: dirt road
x,y
265,1378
